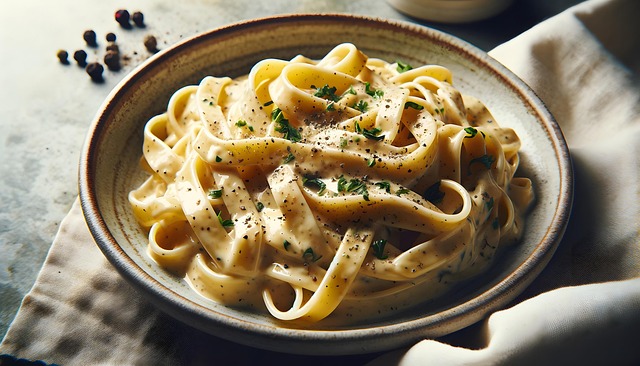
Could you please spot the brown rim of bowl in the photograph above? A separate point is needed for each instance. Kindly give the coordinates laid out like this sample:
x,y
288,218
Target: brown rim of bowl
x,y
335,342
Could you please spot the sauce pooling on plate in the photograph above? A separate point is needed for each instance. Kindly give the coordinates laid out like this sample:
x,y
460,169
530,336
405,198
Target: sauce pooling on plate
x,y
344,188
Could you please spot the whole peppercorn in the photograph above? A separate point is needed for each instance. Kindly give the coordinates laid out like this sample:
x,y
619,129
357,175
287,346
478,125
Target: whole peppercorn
x,y
122,17
112,60
111,37
62,56
151,43
81,57
90,37
95,70
138,19
113,47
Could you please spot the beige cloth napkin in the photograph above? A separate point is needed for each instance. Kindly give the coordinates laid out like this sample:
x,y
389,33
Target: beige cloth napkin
x,y
583,309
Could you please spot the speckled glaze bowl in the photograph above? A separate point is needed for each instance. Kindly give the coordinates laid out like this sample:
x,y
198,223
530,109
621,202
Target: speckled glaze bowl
x,y
109,169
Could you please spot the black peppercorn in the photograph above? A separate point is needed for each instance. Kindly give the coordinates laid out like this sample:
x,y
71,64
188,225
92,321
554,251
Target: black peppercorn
x,y
90,37
81,57
95,70
138,19
62,56
151,43
112,60
113,47
123,17
111,37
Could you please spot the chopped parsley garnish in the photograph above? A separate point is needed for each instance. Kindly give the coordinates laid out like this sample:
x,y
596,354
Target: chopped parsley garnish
x,y
378,248
310,255
241,123
268,103
309,181
434,194
327,92
215,193
485,160
373,134
471,132
402,191
413,105
384,185
331,107
343,142
376,93
403,67
286,245
290,133
223,222
289,158
260,206
342,184
371,162
362,106
351,90
357,186
218,159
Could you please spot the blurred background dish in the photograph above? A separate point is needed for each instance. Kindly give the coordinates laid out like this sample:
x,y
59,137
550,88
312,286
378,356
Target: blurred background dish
x,y
451,11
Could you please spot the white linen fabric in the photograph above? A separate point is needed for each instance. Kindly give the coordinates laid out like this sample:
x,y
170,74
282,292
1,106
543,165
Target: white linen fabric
x,y
583,309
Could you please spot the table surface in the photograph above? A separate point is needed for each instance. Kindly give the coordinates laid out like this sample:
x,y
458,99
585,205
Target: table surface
x,y
46,107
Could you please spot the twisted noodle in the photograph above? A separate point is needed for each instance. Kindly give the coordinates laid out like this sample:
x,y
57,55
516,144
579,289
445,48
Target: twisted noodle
x,y
312,187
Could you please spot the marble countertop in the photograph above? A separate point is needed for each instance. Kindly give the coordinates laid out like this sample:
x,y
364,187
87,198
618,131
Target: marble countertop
x,y
46,107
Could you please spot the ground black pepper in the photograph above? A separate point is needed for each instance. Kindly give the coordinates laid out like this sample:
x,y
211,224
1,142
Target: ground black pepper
x,y
90,37
138,19
111,37
62,56
151,43
122,17
113,47
81,57
95,70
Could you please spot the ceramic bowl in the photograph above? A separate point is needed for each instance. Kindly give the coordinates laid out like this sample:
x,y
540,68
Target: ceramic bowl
x,y
109,169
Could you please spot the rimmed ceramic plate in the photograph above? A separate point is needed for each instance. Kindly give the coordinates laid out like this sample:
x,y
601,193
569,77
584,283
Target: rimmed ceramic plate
x,y
109,169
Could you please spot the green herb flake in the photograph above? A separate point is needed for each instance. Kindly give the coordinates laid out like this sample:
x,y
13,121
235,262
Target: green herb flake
x,y
218,159
290,133
402,191
485,160
378,248
268,103
471,132
215,193
351,91
413,105
362,106
403,67
372,134
260,206
384,185
433,194
289,158
343,142
309,181
342,184
286,245
376,93
327,92
371,162
224,223
331,107
241,123
357,186
310,255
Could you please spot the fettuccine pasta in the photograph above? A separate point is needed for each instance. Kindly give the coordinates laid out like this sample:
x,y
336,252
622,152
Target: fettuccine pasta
x,y
343,188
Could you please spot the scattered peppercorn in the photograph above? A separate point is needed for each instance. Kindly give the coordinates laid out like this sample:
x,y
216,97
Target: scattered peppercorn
x,y
111,37
138,19
81,57
95,70
123,17
151,43
90,37
113,47
112,60
62,56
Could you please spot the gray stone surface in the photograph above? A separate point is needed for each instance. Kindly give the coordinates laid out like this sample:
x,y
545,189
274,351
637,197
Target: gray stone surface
x,y
46,107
